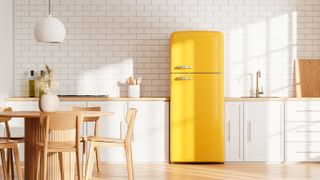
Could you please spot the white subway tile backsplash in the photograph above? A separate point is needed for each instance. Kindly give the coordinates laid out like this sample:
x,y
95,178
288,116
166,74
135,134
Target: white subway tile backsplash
x,y
109,40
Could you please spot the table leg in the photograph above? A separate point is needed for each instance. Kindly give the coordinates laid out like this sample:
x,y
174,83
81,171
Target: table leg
x,y
32,136
31,130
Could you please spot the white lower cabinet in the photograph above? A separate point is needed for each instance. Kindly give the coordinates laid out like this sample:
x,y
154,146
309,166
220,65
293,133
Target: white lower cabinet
x,y
302,130
263,131
150,136
254,131
233,131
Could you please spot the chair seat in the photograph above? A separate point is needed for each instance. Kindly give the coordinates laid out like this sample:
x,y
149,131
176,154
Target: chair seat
x,y
7,141
18,139
105,139
59,145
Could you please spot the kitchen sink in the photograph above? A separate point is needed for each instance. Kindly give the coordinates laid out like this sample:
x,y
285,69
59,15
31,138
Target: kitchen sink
x,y
260,97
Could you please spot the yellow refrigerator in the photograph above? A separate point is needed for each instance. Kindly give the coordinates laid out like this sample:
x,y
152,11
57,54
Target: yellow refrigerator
x,y
196,97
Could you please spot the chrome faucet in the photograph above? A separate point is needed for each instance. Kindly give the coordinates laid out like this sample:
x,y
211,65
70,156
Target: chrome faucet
x,y
258,91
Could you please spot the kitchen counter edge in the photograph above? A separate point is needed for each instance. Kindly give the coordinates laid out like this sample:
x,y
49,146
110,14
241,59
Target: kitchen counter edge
x,y
272,99
92,99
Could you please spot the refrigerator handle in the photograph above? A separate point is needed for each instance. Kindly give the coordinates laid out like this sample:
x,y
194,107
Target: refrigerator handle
x,y
183,67
183,78
249,131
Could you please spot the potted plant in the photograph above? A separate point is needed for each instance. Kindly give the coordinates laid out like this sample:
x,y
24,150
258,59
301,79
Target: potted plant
x,y
48,102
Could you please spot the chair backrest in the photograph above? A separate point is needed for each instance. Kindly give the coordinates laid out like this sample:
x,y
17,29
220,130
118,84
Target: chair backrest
x,y
60,120
5,109
130,119
87,119
6,119
69,120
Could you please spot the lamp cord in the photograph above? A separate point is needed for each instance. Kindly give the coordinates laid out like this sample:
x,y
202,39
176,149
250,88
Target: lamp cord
x,y
49,7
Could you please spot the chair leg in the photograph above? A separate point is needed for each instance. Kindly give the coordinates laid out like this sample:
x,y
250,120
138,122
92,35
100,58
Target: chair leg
x,y
12,164
129,161
45,159
84,150
61,165
90,161
9,157
98,159
4,165
17,160
38,156
78,164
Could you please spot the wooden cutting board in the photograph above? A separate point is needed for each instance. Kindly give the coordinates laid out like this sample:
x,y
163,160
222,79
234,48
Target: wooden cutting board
x,y
307,77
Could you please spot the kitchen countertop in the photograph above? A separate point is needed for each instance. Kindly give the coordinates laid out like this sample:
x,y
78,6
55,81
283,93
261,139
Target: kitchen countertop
x,y
163,99
92,99
272,98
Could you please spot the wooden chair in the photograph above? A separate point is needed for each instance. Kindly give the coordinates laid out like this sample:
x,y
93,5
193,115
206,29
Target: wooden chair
x,y
105,141
58,121
6,120
10,145
84,140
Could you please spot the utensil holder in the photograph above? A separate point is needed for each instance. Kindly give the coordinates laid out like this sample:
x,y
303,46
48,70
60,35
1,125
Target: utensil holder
x,y
134,91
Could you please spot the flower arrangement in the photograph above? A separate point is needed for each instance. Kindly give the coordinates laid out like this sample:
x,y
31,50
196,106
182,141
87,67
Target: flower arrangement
x,y
47,83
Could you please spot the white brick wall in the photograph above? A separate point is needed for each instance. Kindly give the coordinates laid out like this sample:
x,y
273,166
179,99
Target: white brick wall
x,y
109,40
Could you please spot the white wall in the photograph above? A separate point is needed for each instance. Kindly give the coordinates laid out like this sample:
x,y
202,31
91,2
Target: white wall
x,y
108,40
6,49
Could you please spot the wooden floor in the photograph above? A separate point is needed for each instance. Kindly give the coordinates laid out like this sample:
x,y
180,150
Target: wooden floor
x,y
302,171
252,171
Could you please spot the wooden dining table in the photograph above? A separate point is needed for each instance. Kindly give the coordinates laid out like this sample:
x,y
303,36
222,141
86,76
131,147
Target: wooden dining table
x,y
32,131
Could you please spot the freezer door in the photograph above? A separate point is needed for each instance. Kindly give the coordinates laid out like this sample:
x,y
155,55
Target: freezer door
x,y
196,118
196,51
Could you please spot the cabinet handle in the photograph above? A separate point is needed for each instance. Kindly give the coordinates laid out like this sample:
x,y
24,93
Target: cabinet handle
x,y
306,131
183,78
183,67
308,110
228,131
249,131
121,129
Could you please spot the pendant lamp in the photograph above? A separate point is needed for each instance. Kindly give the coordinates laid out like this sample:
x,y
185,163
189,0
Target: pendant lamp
x,y
49,29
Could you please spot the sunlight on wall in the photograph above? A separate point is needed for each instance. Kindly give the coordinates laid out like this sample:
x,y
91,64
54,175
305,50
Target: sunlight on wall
x,y
104,80
269,46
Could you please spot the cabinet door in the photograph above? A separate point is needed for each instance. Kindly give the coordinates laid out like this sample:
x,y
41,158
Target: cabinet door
x,y
263,131
17,124
233,131
110,126
151,136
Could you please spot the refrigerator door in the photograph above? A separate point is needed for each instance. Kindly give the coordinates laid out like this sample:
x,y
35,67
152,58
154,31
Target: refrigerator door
x,y
196,118
196,52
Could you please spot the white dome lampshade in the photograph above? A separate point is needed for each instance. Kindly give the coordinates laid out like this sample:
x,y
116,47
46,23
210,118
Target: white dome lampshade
x,y
49,30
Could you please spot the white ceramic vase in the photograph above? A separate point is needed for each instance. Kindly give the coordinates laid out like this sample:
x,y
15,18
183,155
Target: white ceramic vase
x,y
49,103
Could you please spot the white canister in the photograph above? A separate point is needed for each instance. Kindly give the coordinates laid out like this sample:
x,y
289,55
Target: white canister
x,y
49,103
134,91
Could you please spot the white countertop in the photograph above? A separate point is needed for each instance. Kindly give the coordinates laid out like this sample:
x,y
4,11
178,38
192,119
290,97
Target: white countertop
x,y
272,99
